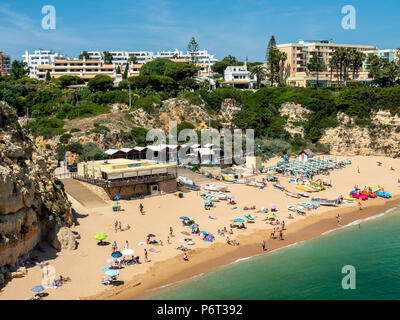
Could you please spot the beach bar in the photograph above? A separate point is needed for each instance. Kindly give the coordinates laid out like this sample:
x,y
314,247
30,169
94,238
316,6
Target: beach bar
x,y
129,178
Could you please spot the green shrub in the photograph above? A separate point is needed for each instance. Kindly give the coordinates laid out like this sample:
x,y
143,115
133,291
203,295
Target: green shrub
x,y
65,138
73,130
46,127
147,103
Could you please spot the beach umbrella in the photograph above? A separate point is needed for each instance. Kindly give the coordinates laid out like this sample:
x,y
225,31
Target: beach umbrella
x,y
128,252
100,236
184,218
191,218
117,198
249,217
271,216
238,220
112,273
207,202
194,226
116,254
37,289
273,206
150,235
204,232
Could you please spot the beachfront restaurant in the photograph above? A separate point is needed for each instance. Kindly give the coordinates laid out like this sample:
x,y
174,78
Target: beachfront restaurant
x,y
129,178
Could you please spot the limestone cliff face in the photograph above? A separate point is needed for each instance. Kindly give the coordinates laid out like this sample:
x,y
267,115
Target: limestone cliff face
x,y
297,115
381,138
31,199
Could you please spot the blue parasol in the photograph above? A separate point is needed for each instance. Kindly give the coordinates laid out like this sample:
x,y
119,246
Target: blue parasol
x,y
117,198
203,232
207,202
238,220
116,254
37,288
194,226
184,218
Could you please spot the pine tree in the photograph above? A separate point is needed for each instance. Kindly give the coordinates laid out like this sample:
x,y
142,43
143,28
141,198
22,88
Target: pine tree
x,y
270,58
48,77
125,75
118,70
193,48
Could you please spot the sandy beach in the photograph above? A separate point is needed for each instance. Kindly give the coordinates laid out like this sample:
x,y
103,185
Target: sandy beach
x,y
162,212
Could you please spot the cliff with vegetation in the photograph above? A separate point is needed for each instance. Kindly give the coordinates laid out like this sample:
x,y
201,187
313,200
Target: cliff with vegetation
x,y
33,204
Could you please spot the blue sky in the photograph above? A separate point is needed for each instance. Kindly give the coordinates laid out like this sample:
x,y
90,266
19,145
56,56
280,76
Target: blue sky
x,y
238,27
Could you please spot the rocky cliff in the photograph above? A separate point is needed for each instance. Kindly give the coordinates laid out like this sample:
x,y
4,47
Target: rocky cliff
x,y
32,201
296,117
380,137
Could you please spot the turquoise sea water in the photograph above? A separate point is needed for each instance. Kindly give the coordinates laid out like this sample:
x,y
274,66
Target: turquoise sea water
x,y
310,269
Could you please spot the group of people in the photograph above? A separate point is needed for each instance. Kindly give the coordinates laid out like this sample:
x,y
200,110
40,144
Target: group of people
x,y
224,232
115,246
231,242
277,230
118,226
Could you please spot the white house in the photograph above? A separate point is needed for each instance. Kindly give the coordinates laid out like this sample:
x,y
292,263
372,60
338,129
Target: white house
x,y
40,57
239,77
305,155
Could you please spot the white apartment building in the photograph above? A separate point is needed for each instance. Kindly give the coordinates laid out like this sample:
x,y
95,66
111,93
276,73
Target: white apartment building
x,y
239,77
202,57
38,58
121,57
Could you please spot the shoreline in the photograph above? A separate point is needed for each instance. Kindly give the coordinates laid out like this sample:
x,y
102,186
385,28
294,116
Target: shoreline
x,y
203,260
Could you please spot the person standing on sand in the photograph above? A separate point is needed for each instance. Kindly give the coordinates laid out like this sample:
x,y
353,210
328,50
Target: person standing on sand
x,y
145,256
116,226
171,232
126,245
359,205
114,246
280,235
338,219
263,245
119,226
168,240
283,224
272,234
358,169
141,208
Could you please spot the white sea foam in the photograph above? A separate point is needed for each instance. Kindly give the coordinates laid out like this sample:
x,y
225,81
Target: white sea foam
x,y
357,222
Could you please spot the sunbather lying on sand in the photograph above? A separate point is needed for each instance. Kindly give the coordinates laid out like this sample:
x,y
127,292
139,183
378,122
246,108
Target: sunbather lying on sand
x,y
183,248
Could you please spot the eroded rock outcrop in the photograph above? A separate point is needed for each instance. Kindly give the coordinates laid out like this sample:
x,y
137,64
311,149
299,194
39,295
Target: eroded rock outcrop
x,y
297,116
31,198
381,137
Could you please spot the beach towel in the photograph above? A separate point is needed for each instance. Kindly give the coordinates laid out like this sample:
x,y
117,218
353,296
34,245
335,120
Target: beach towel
x,y
105,268
140,243
153,250
212,218
186,233
234,208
